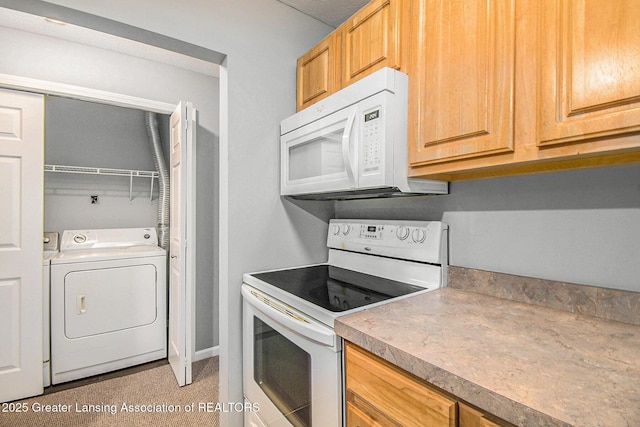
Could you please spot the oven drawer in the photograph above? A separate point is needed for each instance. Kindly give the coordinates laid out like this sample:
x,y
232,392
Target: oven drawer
x,y
391,396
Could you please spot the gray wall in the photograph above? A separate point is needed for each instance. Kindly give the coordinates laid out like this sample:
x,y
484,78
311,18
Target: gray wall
x,y
80,133
262,40
578,227
42,57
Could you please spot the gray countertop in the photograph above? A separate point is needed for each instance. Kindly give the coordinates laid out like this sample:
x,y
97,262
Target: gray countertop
x,y
530,365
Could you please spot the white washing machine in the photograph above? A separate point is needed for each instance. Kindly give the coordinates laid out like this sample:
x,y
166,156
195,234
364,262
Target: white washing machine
x,y
108,302
50,250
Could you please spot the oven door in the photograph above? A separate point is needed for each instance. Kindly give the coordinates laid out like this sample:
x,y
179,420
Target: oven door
x,y
292,365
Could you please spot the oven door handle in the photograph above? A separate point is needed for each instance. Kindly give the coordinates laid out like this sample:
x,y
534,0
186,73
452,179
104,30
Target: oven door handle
x,y
288,318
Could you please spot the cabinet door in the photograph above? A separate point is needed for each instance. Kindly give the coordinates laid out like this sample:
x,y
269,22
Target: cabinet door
x,y
317,70
371,40
394,393
462,79
589,70
470,417
362,415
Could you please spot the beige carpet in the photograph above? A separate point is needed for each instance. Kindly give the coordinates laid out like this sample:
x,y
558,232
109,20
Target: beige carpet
x,y
159,400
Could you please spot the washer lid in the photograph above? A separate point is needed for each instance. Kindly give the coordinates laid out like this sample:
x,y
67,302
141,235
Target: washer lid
x,y
107,254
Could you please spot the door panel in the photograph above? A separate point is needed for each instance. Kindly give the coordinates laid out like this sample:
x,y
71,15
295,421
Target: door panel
x,y
10,208
21,230
371,40
318,72
462,80
589,79
182,243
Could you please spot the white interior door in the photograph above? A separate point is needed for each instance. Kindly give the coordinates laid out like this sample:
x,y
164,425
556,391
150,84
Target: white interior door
x,y
21,219
182,245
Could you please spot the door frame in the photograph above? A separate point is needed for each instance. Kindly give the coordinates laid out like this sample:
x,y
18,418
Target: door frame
x,y
45,87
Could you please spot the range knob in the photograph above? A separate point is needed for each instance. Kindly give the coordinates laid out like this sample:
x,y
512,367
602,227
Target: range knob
x,y
336,229
402,232
418,235
346,229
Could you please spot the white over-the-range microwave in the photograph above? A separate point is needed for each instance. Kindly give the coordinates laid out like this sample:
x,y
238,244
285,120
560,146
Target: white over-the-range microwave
x,y
352,144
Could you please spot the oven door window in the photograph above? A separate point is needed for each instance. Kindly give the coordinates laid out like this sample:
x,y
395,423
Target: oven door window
x,y
283,372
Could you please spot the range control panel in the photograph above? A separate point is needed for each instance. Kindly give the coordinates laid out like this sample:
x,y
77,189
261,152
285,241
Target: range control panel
x,y
73,240
424,241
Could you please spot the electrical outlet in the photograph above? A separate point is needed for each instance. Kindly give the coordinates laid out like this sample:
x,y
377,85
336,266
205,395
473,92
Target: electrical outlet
x,y
94,200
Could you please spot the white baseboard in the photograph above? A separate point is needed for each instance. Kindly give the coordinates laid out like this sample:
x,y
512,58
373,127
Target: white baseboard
x,y
206,353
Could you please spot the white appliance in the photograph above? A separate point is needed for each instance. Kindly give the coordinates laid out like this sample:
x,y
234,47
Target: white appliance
x,y
352,144
108,302
292,358
50,250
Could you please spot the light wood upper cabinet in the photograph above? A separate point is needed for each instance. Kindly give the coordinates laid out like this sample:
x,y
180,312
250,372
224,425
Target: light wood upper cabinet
x,y
371,40
574,100
589,70
461,79
497,87
318,72
365,43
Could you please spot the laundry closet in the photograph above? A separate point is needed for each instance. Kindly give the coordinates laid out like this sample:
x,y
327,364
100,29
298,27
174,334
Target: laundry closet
x,y
94,135
106,222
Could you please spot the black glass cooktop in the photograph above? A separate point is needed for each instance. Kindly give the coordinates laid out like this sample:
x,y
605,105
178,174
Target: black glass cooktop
x,y
334,288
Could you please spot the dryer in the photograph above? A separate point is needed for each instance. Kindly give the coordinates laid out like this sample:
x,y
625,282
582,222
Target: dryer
x,y
108,302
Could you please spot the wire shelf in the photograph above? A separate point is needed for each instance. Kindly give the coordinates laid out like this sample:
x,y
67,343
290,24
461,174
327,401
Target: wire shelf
x,y
107,171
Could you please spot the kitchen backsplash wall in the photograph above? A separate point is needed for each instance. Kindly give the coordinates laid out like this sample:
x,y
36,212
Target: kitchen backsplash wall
x,y
610,304
578,227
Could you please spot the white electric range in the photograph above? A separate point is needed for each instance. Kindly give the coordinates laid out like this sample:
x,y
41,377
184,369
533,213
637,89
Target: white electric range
x,y
292,361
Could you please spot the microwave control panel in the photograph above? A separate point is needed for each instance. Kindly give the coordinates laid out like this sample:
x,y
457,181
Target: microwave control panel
x,y
372,134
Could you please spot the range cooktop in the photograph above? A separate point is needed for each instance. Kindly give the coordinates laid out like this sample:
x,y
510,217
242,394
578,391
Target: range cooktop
x,y
336,289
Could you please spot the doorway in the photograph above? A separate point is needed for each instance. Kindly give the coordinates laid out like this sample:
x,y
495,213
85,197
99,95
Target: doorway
x,y
16,107
152,81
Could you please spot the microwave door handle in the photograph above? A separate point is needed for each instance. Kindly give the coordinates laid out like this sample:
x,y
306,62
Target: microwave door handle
x,y
346,145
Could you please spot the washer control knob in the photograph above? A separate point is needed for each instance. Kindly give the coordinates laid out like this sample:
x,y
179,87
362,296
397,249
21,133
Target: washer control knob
x,y
346,229
418,235
336,229
80,238
402,232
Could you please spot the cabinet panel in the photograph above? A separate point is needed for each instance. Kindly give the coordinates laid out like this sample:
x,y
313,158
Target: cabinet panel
x,y
394,393
359,414
371,40
470,417
317,70
589,73
462,79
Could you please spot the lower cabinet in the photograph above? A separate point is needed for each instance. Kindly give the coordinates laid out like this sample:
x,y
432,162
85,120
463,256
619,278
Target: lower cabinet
x,y
381,394
470,417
